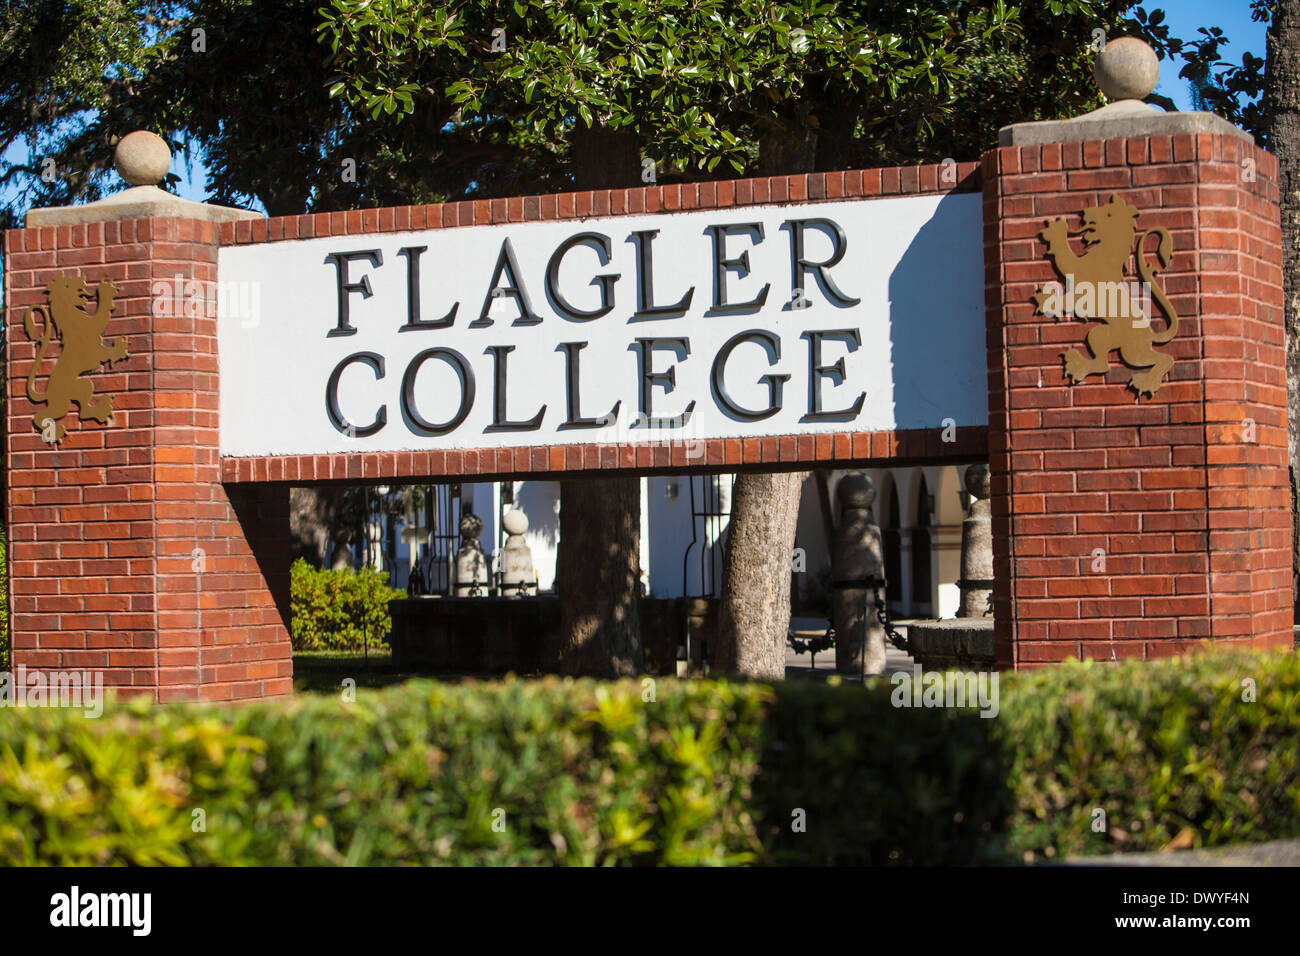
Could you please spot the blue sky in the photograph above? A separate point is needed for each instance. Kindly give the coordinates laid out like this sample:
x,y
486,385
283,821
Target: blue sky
x,y
1183,16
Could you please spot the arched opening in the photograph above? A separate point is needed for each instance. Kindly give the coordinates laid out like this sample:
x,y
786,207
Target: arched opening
x,y
945,540
922,587
893,544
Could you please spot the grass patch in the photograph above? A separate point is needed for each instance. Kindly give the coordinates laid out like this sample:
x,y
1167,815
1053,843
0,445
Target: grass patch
x,y
323,672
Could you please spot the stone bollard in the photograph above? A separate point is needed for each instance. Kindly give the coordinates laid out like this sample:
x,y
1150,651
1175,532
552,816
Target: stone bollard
x,y
518,577
701,627
857,566
976,584
965,643
471,565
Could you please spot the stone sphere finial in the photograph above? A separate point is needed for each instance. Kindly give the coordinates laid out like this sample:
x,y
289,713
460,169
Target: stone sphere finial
x,y
977,481
142,158
471,526
1127,69
856,491
515,521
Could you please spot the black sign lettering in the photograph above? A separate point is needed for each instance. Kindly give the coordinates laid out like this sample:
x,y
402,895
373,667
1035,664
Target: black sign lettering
x,y
418,422
574,400
722,265
508,267
562,305
645,282
800,265
376,363
500,420
681,347
835,371
346,287
775,383
413,320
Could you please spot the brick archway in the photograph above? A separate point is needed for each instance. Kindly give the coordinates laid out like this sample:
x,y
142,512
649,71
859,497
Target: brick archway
x,y
140,550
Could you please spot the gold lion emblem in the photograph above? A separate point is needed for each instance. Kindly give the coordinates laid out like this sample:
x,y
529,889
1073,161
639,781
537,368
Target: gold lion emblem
x,y
1096,290
84,350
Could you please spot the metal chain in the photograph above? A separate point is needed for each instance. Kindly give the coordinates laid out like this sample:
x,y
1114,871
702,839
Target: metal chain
x,y
816,645
894,637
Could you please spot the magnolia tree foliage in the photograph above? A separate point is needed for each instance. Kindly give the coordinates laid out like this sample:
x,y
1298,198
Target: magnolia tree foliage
x,y
701,84
689,79
698,83
62,63
441,100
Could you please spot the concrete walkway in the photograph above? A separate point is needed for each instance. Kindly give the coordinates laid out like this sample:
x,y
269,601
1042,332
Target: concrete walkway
x,y
1277,853
820,666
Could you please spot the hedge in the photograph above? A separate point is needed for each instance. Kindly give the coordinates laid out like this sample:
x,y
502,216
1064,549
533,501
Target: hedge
x,y
338,610
551,772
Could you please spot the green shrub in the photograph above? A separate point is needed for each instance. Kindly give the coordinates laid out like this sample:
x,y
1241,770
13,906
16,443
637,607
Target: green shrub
x,y
708,772
1162,749
338,610
585,774
878,784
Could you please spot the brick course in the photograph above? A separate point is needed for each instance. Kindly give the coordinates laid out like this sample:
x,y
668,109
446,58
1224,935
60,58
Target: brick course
x,y
931,179
779,453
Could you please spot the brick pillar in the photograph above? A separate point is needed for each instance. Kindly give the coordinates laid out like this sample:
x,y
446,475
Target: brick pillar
x,y
1125,527
127,554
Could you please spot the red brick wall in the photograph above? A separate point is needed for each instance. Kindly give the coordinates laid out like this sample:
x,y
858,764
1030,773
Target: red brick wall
x,y
126,554
724,194
771,453
1192,515
129,554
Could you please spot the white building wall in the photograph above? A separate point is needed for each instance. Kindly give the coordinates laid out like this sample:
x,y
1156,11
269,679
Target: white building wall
x,y
540,501
667,531
677,541
810,540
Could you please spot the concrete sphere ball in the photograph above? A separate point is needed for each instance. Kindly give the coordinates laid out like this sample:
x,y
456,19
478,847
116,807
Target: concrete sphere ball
x,y
142,158
1127,69
471,525
977,481
514,521
856,491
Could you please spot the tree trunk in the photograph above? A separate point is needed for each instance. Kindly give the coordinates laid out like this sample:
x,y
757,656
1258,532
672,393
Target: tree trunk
x,y
602,158
599,558
785,148
1282,106
836,134
311,516
599,564
755,614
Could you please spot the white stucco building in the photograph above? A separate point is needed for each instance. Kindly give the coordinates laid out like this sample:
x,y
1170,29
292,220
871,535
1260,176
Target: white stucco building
x,y
684,523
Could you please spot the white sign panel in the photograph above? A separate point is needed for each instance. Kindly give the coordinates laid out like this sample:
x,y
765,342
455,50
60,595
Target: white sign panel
x,y
765,320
